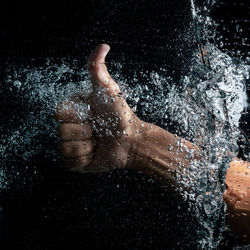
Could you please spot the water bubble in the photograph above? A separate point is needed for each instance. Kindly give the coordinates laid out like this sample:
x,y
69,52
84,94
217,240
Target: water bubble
x,y
108,132
237,27
17,84
206,110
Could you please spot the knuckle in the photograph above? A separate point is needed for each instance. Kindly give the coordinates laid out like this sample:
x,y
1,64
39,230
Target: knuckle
x,y
84,160
87,146
86,131
63,130
93,66
66,112
70,131
78,163
70,149
65,147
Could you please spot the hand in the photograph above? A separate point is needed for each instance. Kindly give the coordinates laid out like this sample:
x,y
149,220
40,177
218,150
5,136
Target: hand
x,y
103,141
114,137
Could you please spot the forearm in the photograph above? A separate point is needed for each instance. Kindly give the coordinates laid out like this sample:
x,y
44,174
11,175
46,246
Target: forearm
x,y
161,154
126,141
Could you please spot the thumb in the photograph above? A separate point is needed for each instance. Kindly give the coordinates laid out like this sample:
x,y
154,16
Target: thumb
x,y
100,76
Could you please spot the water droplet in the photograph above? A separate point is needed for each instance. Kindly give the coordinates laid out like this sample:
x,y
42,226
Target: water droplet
x,y
17,84
120,94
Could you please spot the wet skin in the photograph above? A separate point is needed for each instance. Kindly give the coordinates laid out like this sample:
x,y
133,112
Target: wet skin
x,y
113,137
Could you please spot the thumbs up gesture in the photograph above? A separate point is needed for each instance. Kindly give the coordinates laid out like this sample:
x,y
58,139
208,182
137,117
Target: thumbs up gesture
x,y
102,141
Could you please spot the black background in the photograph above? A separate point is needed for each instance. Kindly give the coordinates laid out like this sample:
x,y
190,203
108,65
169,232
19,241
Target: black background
x,y
120,209
62,28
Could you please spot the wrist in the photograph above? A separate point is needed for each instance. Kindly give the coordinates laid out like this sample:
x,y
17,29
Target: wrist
x,y
137,141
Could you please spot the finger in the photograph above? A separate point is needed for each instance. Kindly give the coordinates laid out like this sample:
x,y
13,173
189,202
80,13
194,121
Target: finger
x,y
99,74
75,131
78,164
105,89
99,54
71,112
72,149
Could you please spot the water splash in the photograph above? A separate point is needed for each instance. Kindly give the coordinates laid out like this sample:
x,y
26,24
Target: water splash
x,y
207,109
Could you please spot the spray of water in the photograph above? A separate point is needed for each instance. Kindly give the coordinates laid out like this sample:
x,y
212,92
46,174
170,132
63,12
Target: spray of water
x,y
207,109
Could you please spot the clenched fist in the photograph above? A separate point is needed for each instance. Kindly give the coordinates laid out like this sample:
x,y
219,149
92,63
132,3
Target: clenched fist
x,y
103,140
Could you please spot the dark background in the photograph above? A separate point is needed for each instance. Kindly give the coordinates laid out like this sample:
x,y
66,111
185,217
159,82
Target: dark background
x,y
143,31
120,209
